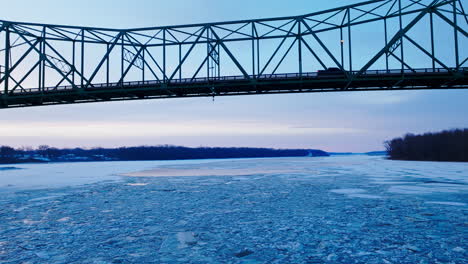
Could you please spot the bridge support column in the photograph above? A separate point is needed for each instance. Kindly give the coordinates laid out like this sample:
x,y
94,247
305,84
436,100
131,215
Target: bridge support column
x,y
402,49
350,47
299,45
7,60
43,55
432,40
455,32
82,58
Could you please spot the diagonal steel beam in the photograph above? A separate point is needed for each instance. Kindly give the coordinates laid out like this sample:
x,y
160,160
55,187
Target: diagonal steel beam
x,y
326,19
25,76
106,57
427,53
276,28
80,74
131,64
239,66
63,79
323,46
397,36
46,59
203,62
284,56
21,58
402,62
278,48
186,55
451,23
157,65
314,54
17,83
236,31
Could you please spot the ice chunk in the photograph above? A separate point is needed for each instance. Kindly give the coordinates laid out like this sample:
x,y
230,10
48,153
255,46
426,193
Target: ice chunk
x,y
448,203
348,191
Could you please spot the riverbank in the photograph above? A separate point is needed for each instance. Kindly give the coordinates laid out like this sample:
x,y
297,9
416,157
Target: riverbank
x,y
45,154
448,146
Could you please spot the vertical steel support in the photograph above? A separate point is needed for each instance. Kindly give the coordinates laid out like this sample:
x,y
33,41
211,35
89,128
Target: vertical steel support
x,y
82,57
208,54
41,62
342,45
299,38
400,18
258,56
122,61
432,40
386,43
164,55
219,61
253,51
7,58
73,62
180,61
107,66
455,32
349,42
143,64
44,39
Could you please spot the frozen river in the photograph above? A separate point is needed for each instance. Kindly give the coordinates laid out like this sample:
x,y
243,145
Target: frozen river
x,y
350,209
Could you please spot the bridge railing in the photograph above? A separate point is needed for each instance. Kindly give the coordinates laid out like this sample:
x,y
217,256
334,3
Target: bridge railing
x,y
241,78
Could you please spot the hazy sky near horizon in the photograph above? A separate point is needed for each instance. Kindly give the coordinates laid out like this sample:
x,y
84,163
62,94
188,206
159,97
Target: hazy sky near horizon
x,y
356,122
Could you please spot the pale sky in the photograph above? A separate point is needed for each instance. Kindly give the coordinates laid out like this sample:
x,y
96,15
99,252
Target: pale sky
x,y
357,121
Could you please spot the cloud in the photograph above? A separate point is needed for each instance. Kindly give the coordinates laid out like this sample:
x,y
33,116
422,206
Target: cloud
x,y
328,130
141,129
379,97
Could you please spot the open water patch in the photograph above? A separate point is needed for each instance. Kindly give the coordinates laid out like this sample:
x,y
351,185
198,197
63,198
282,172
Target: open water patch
x,y
348,191
9,168
356,193
447,203
417,189
365,196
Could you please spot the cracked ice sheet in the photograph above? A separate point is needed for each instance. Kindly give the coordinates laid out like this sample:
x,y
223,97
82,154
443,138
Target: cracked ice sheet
x,y
57,175
271,218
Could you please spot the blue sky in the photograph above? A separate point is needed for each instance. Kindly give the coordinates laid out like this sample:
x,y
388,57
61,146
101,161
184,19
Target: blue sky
x,y
359,121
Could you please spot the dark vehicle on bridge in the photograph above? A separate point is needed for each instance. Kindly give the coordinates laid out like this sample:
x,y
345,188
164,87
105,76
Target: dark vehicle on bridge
x,y
331,72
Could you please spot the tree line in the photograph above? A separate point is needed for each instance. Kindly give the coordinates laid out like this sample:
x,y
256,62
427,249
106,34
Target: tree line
x,y
448,145
164,152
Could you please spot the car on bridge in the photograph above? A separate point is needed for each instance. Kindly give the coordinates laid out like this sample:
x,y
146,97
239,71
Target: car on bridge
x,y
331,72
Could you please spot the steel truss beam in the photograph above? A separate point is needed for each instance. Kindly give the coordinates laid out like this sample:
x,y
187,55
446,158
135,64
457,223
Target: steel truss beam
x,y
77,60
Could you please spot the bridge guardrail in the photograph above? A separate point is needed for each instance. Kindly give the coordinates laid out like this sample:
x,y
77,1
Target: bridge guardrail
x,y
242,78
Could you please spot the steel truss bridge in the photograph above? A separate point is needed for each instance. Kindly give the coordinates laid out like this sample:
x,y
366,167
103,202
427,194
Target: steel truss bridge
x,y
373,45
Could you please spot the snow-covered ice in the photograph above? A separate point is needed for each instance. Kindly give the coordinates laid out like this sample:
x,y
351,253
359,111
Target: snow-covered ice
x,y
55,175
354,209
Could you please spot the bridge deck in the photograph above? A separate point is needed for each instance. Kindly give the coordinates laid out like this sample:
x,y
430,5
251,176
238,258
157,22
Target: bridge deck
x,y
241,85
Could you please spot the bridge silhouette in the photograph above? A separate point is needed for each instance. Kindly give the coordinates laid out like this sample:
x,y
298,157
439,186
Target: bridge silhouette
x,y
373,45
